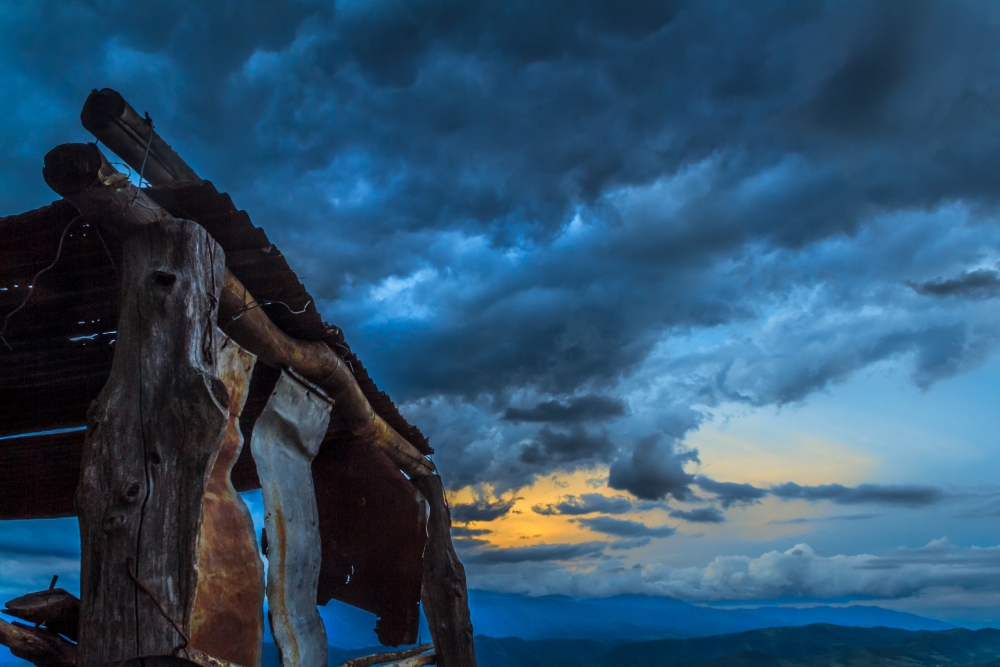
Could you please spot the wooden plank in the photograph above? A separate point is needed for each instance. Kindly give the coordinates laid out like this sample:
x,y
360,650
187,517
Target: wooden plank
x,y
153,434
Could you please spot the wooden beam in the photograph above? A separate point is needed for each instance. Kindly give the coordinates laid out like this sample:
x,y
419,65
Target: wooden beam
x,y
56,608
36,645
81,174
390,656
445,596
113,121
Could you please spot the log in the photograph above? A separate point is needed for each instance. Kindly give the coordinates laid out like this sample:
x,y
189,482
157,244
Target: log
x,y
227,621
379,658
81,174
416,661
444,595
56,608
113,121
41,647
152,436
285,440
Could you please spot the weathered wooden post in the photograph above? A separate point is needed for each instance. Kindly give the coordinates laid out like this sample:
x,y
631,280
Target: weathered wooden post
x,y
153,433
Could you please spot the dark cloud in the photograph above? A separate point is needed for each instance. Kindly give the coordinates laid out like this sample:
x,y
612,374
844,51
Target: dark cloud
x,y
577,409
627,543
465,531
841,517
519,204
880,494
571,446
654,470
700,515
588,503
731,493
482,509
624,528
534,553
978,284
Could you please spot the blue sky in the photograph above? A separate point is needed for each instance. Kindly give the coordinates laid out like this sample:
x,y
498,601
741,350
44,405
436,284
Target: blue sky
x,y
693,299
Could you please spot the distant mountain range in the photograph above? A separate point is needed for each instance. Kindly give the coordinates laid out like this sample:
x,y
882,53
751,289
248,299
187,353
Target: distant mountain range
x,y
618,618
643,617
820,645
809,646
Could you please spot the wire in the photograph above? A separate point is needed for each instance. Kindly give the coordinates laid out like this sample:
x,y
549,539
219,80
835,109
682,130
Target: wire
x,y
34,282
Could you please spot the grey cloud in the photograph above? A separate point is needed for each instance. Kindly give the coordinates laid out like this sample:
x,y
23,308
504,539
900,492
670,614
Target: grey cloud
x,y
627,543
587,503
576,183
731,493
700,515
654,470
978,284
534,553
577,444
465,531
577,409
482,509
900,495
624,528
841,517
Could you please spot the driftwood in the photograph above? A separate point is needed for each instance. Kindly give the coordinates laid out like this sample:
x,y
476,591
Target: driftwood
x,y
81,174
39,646
444,596
285,441
379,658
152,436
227,621
56,608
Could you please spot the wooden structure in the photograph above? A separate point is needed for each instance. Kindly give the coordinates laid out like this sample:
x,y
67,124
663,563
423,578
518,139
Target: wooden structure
x,y
133,333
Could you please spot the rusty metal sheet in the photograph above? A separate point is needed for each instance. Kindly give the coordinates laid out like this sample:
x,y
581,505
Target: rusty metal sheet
x,y
227,621
373,529
285,440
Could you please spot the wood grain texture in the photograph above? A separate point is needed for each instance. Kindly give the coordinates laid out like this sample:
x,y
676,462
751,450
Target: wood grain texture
x,y
153,434
445,596
36,645
228,618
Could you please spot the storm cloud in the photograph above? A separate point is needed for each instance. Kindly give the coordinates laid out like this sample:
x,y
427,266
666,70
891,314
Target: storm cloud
x,y
902,495
577,409
625,528
521,213
587,503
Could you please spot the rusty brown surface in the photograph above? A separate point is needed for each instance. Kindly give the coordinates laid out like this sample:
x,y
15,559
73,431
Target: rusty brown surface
x,y
358,494
227,621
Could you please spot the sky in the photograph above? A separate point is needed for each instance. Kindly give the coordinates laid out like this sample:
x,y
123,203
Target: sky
x,y
692,299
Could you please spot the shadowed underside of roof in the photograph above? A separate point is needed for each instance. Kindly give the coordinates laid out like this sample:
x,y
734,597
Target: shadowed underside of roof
x,y
61,344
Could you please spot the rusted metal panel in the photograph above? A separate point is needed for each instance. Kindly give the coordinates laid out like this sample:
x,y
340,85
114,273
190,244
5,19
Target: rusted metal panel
x,y
227,621
374,530
285,441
